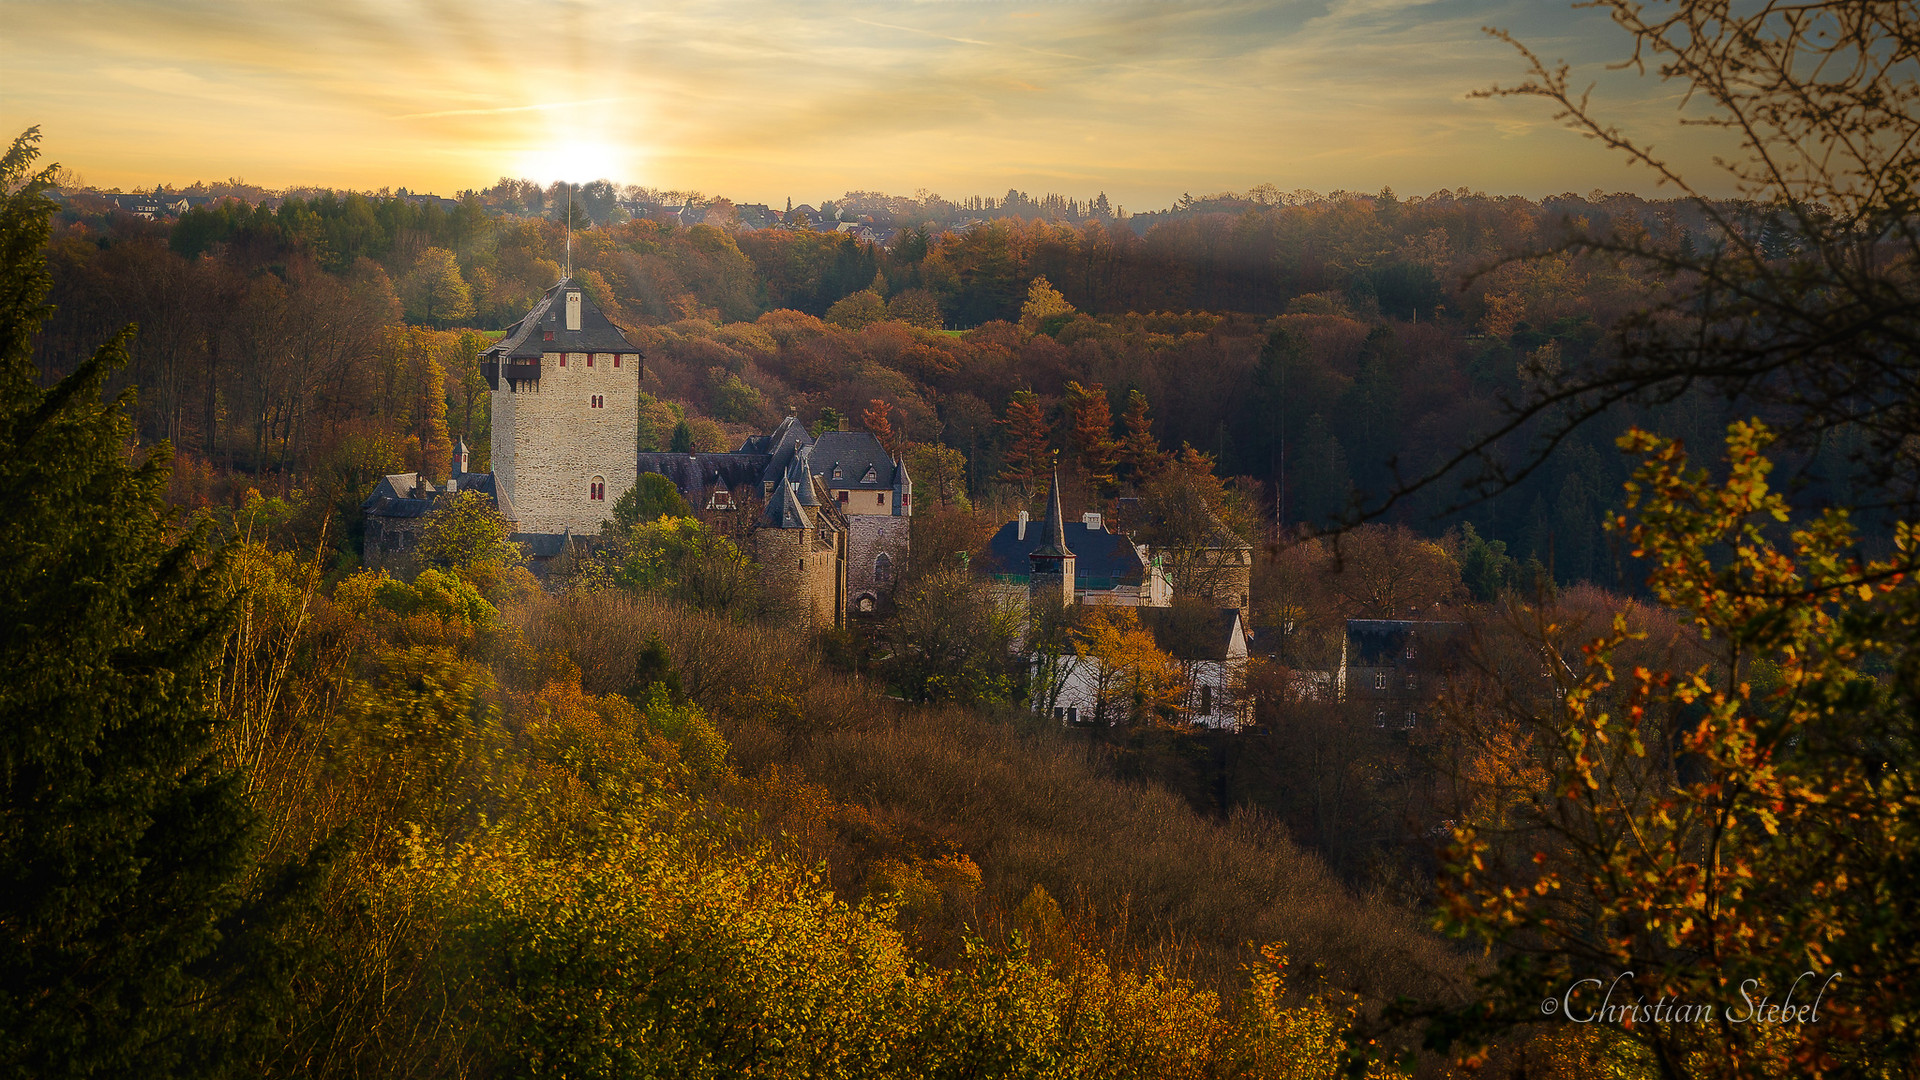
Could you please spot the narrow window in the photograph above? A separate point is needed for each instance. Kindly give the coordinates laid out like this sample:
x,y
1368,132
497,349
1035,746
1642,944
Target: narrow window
x,y
616,359
843,496
1206,699
1060,713
882,567
1413,681
881,498
1380,718
563,359
597,490
1412,716
1409,650
1379,680
1073,714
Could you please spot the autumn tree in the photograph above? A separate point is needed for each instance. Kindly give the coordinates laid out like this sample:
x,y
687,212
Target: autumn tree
x,y
434,291
950,640
1029,458
1196,526
1139,452
1797,296
1091,433
1044,302
1740,823
1391,572
1132,679
651,498
939,471
876,419
858,310
916,307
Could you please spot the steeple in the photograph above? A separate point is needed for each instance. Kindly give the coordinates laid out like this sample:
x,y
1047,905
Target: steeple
x,y
1051,571
460,458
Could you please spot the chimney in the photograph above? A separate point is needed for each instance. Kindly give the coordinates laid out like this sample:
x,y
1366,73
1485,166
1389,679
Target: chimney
x,y
1091,520
1022,534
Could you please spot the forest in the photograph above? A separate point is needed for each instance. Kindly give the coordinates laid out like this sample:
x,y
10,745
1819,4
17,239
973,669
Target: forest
x,y
265,811
1326,353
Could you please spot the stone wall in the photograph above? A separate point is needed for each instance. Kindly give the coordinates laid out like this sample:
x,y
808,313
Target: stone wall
x,y
1224,576
868,537
550,442
803,571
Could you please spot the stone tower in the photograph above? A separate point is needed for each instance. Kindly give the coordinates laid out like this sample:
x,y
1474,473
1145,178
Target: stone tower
x,y
566,413
1052,578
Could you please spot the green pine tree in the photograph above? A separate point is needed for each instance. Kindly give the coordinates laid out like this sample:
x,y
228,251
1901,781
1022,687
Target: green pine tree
x,y
124,847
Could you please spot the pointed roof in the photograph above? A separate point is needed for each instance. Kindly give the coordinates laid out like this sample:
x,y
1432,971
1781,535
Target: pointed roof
x,y
784,509
800,475
1053,532
527,338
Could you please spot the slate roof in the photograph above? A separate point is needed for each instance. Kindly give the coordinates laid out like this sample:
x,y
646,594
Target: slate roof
x,y
855,454
1102,560
696,474
393,495
542,545
526,339
1382,642
769,459
1189,633
784,509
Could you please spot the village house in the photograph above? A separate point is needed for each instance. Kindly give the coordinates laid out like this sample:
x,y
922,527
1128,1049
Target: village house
x,y
1207,639
1396,667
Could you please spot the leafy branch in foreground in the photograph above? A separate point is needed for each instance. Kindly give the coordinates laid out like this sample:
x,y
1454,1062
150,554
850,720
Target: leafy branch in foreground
x,y
1721,829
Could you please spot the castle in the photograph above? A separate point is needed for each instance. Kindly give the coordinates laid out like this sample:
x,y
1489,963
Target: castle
x,y
826,518
776,487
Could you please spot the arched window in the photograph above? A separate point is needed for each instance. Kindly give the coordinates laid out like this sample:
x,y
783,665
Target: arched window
x,y
882,567
597,489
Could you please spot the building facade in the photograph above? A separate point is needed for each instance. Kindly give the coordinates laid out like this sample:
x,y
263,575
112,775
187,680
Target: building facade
x,y
844,477
565,386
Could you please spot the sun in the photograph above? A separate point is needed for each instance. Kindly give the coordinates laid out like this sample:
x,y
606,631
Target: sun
x,y
579,160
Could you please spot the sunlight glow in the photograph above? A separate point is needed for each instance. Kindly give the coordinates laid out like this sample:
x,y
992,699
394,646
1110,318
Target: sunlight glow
x,y
579,160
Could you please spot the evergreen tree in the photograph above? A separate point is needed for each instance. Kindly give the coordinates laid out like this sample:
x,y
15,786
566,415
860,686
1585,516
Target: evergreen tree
x,y
123,844
1139,451
1093,447
682,442
1027,458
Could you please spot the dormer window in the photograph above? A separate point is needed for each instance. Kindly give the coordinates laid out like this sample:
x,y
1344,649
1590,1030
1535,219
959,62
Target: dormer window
x,y
546,335
871,477
837,473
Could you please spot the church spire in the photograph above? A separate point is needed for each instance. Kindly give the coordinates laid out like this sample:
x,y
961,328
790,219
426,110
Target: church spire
x,y
1050,577
1053,532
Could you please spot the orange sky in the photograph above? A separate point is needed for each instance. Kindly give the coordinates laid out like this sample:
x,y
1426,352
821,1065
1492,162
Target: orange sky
x,y
760,101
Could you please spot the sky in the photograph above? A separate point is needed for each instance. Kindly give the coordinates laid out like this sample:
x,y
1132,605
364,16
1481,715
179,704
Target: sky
x,y
761,101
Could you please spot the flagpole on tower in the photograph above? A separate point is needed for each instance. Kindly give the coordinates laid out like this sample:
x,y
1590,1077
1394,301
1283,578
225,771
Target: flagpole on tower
x,y
569,231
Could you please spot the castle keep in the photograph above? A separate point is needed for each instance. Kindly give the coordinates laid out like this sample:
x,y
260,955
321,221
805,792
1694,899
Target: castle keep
x,y
566,414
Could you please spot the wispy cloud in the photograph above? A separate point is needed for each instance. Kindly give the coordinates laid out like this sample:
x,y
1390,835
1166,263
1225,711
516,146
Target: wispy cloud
x,y
1142,98
508,109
